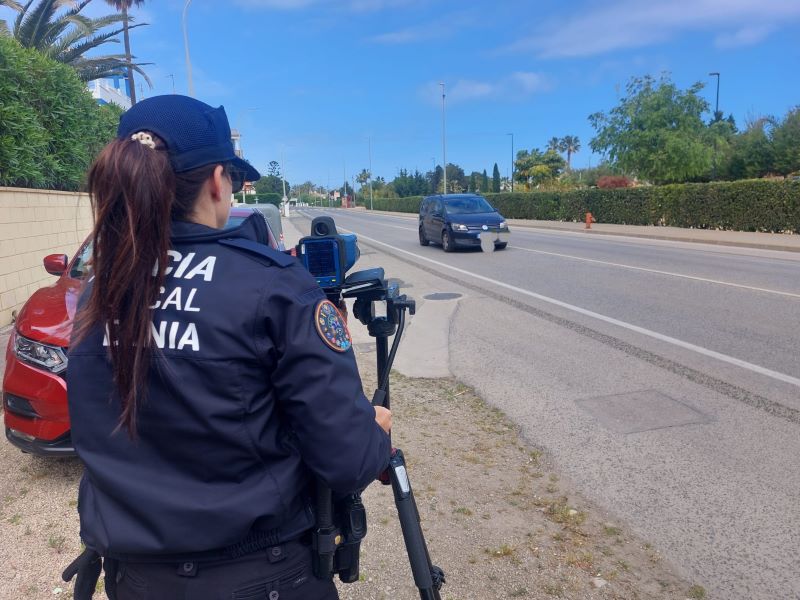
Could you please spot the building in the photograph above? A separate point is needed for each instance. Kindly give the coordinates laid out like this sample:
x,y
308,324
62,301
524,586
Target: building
x,y
111,90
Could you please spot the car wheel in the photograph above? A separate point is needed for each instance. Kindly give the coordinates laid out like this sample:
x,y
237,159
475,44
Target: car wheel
x,y
447,241
423,241
501,246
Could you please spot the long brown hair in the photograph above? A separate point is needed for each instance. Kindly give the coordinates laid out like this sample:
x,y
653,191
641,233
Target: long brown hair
x,y
134,194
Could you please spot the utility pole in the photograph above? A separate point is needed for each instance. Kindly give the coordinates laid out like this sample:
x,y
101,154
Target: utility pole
x,y
283,180
186,48
716,116
512,160
444,144
370,173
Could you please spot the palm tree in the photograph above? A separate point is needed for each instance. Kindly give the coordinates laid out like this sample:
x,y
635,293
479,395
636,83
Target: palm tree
x,y
554,144
125,6
569,144
67,37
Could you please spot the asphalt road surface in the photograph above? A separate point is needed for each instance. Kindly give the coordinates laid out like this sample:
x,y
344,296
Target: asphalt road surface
x,y
662,378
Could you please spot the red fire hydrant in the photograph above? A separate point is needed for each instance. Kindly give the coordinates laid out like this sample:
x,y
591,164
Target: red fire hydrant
x,y
589,220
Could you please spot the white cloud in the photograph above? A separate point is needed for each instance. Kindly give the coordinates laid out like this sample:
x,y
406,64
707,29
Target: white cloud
x,y
634,23
441,28
747,36
512,87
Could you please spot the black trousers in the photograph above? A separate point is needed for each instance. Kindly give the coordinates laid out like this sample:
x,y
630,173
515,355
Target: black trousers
x,y
278,573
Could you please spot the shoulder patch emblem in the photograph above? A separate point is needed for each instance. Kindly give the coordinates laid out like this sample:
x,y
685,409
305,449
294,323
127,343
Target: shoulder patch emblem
x,y
331,327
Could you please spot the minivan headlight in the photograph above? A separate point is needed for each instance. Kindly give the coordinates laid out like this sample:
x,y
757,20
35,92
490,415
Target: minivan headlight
x,y
459,227
50,358
502,224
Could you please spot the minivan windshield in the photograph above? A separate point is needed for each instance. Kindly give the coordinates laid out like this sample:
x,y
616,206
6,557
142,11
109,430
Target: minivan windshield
x,y
466,205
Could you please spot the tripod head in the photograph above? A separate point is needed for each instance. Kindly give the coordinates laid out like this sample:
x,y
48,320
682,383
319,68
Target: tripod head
x,y
381,307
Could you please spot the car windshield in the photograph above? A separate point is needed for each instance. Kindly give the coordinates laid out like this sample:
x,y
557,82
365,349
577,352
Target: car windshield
x,y
80,268
461,206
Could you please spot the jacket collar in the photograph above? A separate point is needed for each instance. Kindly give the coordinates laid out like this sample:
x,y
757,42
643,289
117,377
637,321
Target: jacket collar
x,y
252,228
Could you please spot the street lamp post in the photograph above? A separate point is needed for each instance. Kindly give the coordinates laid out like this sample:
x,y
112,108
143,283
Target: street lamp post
x,y
716,106
444,145
370,173
512,160
186,48
716,117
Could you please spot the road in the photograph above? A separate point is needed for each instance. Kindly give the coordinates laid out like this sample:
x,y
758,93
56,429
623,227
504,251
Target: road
x,y
661,378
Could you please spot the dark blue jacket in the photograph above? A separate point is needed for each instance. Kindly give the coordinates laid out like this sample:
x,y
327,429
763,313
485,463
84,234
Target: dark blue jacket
x,y
246,403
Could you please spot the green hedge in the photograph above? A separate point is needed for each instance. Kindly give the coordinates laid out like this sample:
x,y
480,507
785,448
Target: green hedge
x,y
50,126
751,205
266,198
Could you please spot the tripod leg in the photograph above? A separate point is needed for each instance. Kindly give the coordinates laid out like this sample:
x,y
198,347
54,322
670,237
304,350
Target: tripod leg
x,y
427,577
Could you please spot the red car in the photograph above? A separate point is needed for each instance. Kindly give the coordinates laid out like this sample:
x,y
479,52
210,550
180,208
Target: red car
x,y
34,385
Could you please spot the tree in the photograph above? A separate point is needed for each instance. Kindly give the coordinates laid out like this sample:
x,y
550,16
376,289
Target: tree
x,y
473,181
435,180
271,184
569,144
495,179
751,152
456,180
125,6
484,182
554,144
656,132
68,36
274,168
535,167
363,177
786,143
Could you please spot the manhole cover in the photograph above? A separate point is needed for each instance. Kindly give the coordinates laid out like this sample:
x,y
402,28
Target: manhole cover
x,y
641,411
442,296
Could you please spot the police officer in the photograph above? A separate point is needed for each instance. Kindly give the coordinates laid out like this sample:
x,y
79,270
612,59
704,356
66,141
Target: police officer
x,y
210,381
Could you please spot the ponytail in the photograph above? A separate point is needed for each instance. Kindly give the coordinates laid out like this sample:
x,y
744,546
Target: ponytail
x,y
134,194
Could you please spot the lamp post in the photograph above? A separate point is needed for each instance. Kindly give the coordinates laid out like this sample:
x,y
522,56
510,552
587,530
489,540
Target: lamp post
x,y
370,172
186,48
716,117
171,76
716,106
444,145
512,160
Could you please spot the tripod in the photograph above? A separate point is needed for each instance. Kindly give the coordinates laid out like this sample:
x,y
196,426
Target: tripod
x,y
369,287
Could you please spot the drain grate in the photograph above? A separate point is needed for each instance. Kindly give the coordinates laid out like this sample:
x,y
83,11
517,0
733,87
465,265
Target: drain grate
x,y
645,410
442,296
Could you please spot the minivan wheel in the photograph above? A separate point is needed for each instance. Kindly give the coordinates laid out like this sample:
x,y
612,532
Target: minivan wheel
x,y
447,242
501,246
423,241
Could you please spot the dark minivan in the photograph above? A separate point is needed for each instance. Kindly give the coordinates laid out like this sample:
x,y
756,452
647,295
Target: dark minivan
x,y
460,220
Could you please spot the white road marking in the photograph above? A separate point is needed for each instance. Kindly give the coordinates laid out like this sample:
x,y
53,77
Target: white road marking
x,y
646,270
670,273
629,326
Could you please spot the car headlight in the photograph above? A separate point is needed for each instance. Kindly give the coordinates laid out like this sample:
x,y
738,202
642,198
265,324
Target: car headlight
x,y
502,225
50,358
459,227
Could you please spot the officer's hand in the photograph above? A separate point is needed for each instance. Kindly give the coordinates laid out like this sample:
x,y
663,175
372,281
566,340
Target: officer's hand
x,y
384,418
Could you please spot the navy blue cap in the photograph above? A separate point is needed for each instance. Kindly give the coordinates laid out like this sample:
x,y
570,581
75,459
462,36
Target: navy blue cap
x,y
194,133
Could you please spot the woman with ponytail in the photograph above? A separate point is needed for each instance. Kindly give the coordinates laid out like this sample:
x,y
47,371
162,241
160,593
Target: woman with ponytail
x,y
210,382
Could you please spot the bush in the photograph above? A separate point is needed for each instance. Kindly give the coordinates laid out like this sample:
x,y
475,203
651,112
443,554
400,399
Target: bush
x,y
607,182
750,205
265,198
50,126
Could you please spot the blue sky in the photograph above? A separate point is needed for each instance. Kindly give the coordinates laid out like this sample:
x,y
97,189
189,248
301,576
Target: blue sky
x,y
314,80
